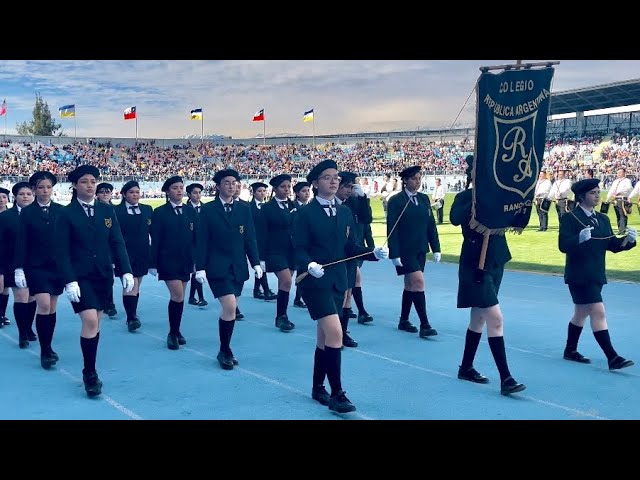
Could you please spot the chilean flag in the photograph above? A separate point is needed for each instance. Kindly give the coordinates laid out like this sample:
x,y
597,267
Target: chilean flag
x,y
130,113
259,116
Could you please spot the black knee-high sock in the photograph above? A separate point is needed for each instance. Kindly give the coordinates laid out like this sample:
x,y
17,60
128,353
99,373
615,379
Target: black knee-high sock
x,y
318,368
199,290
31,315
573,335
4,301
344,319
129,303
89,348
265,283
282,302
175,316
407,300
111,303
135,307
356,293
256,284
225,331
192,287
42,327
499,356
604,340
471,343
53,317
21,313
332,361
420,302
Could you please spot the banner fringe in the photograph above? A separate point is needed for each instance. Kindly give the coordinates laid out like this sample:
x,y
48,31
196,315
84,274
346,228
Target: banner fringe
x,y
483,229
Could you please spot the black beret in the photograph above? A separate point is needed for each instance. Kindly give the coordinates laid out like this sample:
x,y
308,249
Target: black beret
x,y
83,170
584,186
194,185
410,171
469,161
347,177
16,188
229,172
128,186
300,185
278,179
5,191
104,186
42,175
319,168
170,181
257,185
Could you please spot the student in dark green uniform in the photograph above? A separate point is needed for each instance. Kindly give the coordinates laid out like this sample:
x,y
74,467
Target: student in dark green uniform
x,y
585,237
194,193
478,290
104,193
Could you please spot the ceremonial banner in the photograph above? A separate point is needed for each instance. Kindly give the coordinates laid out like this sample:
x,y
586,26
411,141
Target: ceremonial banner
x,y
511,126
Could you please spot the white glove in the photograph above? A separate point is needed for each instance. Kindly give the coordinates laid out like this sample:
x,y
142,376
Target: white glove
x,y
127,282
632,235
585,234
436,257
263,266
19,278
201,276
396,262
153,271
357,189
381,253
315,270
259,271
73,291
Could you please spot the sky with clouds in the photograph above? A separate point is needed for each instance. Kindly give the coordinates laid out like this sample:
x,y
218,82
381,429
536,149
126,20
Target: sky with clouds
x,y
347,96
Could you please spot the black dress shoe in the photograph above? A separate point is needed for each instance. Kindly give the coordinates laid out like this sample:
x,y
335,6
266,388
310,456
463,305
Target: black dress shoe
x,y
364,318
472,375
203,303
193,301
427,331
47,361
23,342
299,303
347,341
575,356
269,295
181,339
258,294
92,384
225,360
32,337
407,326
111,312
340,403
172,342
320,394
54,355
509,386
618,362
283,323
239,314
233,358
352,314
134,324
4,321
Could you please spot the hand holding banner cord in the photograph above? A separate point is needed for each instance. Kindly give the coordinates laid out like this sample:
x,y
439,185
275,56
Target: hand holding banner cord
x,y
303,275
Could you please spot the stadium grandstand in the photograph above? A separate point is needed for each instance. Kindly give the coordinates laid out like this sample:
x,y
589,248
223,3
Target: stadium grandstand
x,y
577,139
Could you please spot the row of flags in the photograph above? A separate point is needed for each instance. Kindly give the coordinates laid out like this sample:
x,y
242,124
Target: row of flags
x,y
67,111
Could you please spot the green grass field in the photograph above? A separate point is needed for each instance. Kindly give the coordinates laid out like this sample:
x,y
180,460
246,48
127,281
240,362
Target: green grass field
x,y
532,251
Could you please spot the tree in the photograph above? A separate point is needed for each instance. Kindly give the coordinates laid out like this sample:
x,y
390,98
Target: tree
x,y
42,124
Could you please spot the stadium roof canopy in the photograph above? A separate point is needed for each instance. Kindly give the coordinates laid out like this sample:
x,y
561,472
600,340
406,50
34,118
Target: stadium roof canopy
x,y
610,95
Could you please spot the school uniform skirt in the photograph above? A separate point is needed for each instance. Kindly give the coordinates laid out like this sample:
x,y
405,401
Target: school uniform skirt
x,y
43,280
478,288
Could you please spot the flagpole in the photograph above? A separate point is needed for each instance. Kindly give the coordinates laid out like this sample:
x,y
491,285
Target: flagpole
x,y
202,129
75,127
136,126
264,131
313,124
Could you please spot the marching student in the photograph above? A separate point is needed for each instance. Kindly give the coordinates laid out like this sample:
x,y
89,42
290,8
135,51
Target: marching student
x,y
478,290
24,304
194,192
89,242
585,237
104,193
409,211
236,198
302,192
277,245
618,195
226,240
35,261
439,194
323,234
135,223
259,193
4,290
173,237
542,201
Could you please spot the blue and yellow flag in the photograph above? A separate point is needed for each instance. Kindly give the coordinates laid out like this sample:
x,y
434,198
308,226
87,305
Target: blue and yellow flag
x,y
308,116
67,111
196,114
